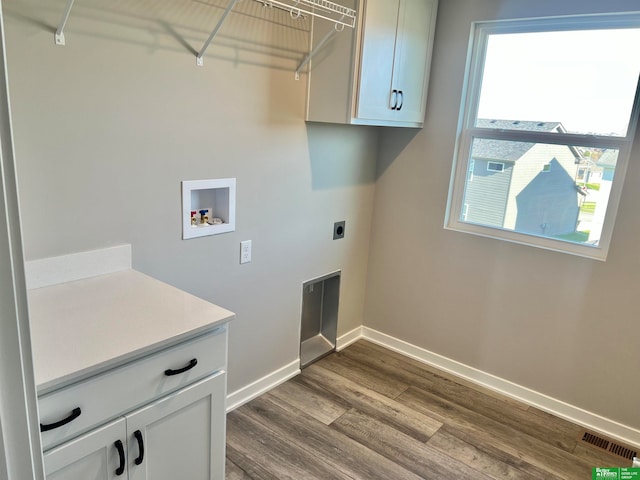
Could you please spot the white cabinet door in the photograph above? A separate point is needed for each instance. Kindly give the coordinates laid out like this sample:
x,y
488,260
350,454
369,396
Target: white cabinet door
x,y
375,96
413,57
180,436
396,55
378,74
93,456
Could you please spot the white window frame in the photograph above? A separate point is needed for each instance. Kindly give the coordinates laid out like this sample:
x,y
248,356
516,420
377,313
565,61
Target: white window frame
x,y
467,132
493,169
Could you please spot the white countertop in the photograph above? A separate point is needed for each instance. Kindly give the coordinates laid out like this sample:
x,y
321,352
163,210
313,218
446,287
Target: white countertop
x,y
83,327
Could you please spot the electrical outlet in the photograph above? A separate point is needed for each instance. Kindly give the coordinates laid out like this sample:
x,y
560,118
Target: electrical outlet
x,y
245,251
338,230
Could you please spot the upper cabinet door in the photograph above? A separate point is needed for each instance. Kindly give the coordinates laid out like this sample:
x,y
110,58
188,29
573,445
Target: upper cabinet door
x,y
413,57
378,74
375,96
92,456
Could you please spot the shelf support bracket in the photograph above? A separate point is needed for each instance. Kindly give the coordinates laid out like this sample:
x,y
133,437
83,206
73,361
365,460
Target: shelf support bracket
x,y
59,35
318,47
199,59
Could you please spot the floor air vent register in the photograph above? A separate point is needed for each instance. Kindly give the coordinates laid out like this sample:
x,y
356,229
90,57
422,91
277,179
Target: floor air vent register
x,y
608,445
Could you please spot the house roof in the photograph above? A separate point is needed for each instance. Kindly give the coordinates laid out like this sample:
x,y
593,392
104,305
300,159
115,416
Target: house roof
x,y
609,158
499,150
518,125
508,151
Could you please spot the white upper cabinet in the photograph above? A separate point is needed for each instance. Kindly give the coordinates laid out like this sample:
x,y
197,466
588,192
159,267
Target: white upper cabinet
x,y
377,65
377,74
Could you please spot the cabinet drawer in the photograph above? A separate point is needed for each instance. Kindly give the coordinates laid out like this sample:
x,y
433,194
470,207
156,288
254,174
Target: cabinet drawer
x,y
118,391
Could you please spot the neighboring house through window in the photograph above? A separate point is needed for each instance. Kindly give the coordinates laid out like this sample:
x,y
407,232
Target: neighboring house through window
x,y
513,192
549,115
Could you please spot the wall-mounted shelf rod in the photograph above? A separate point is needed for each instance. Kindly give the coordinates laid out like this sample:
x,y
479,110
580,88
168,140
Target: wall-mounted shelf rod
x,y
199,59
320,44
59,35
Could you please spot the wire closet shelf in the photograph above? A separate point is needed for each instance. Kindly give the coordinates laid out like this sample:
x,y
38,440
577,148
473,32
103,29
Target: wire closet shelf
x,y
333,12
340,15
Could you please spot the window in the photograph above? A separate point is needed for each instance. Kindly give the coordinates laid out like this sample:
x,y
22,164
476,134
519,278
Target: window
x,y
551,104
583,174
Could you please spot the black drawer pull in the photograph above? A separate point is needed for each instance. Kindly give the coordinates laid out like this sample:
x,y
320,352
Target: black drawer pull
x,y
50,426
138,435
168,372
120,448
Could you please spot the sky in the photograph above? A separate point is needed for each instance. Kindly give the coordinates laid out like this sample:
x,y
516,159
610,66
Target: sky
x,y
584,79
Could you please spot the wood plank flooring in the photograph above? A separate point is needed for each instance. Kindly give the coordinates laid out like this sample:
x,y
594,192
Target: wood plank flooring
x,y
369,413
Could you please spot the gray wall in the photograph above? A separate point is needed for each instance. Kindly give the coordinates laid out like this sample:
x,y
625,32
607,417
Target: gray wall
x,y
107,127
562,325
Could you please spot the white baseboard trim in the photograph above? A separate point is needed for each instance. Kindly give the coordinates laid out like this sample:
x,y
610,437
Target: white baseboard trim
x,y
273,379
262,385
343,341
551,405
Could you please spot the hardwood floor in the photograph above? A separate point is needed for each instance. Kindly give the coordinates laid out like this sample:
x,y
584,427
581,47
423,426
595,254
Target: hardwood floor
x,y
369,413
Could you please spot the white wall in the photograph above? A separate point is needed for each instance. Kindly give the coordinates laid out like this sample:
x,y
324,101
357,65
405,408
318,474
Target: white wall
x,y
107,127
561,325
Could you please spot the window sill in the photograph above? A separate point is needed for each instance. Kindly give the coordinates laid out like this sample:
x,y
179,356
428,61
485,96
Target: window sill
x,y
581,250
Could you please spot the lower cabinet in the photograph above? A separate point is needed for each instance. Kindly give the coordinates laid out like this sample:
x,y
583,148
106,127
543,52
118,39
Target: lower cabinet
x,y
181,435
92,456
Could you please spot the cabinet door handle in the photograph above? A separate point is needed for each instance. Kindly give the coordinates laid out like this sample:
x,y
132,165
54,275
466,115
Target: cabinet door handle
x,y
138,435
168,372
394,99
401,93
50,426
120,448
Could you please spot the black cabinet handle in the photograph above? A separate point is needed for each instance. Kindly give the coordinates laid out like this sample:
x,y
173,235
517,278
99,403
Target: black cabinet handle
x,y
168,372
394,98
120,448
401,93
138,435
50,426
